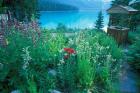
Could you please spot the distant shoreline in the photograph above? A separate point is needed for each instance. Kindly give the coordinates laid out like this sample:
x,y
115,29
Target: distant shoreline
x,y
90,10
60,11
71,19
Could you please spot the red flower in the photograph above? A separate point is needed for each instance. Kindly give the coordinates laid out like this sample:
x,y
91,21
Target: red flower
x,y
69,50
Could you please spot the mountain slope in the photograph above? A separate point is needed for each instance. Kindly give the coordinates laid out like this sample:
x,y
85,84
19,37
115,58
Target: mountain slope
x,y
87,4
54,5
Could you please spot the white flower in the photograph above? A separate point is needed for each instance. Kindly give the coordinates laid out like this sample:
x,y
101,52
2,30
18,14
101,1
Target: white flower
x,y
58,64
60,51
71,42
62,61
89,91
65,54
25,65
107,47
73,54
26,57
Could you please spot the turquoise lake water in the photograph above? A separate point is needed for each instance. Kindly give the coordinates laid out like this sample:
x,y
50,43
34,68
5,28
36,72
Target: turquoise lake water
x,y
72,19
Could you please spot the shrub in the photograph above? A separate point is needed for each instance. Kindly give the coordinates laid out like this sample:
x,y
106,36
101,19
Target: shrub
x,y
12,60
134,50
24,63
134,36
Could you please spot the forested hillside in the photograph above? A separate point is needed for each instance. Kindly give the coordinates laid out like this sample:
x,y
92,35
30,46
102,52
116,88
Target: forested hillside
x,y
50,5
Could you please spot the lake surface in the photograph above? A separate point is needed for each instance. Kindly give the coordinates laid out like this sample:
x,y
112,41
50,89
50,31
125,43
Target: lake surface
x,y
72,19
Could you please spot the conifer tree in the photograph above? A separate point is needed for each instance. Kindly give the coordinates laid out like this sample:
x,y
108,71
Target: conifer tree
x,y
99,21
121,2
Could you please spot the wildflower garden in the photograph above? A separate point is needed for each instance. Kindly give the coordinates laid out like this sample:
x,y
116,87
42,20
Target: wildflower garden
x,y
34,60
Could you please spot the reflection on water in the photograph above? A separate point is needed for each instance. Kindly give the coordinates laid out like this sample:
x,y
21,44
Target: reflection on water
x,y
72,19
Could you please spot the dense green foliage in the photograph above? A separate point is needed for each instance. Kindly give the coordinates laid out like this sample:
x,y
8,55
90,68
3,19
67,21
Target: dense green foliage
x,y
20,9
134,49
99,23
40,64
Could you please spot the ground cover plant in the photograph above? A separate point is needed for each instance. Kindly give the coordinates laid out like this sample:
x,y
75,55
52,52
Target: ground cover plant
x,y
35,61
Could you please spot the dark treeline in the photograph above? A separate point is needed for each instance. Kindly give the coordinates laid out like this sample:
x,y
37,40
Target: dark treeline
x,y
54,6
19,9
